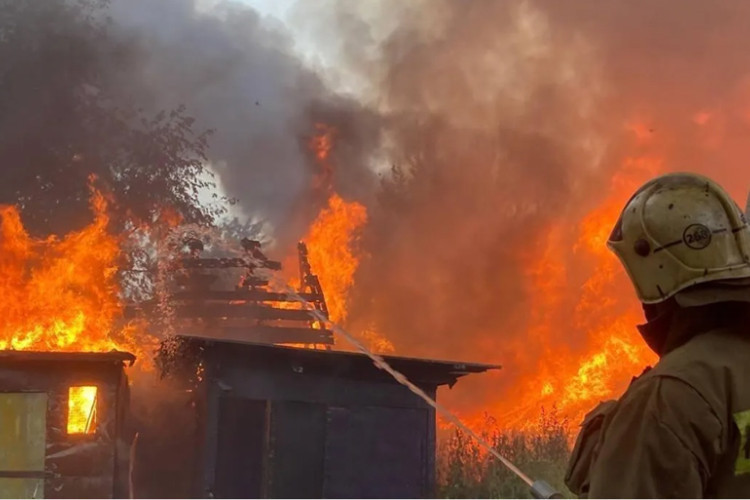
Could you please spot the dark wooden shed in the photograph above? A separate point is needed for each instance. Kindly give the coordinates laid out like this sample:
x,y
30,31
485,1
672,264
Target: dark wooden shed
x,y
283,422
62,425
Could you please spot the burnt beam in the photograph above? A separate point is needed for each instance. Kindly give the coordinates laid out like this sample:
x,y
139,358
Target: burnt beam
x,y
248,295
227,263
219,310
275,335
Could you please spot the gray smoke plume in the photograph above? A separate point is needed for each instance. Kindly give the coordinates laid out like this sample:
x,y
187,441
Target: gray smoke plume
x,y
506,118
238,74
501,120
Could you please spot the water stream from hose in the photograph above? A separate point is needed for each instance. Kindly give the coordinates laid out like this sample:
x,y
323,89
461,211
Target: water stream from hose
x,y
398,376
539,489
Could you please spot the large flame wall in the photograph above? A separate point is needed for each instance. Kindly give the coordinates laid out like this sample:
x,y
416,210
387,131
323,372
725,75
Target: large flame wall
x,y
518,131
62,293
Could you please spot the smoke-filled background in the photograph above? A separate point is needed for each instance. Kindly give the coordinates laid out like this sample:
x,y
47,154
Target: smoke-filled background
x,y
238,74
484,138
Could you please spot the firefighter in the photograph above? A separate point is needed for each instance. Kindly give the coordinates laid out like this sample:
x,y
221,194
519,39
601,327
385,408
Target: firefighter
x,y
682,428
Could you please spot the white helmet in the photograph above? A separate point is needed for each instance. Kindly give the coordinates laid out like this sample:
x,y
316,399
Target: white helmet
x,y
680,230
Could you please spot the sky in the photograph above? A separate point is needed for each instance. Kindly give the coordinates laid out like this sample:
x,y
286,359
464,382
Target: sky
x,y
281,10
275,8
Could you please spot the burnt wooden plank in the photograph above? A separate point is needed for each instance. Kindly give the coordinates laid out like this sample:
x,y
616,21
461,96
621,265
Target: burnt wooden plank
x,y
291,382
56,357
227,263
431,467
223,310
81,466
83,458
344,364
249,295
279,335
209,397
241,448
79,487
375,452
297,447
166,452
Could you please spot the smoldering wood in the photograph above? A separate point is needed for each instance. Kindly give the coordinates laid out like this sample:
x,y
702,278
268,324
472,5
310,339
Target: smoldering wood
x,y
227,263
244,295
251,310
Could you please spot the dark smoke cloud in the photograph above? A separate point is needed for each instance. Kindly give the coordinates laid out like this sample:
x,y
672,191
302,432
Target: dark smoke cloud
x,y
238,74
666,62
507,118
490,117
504,119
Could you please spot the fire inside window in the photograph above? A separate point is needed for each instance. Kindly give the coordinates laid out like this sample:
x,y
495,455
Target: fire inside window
x,y
82,409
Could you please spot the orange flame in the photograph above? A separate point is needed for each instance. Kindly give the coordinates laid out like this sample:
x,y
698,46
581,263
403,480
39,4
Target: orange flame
x,y
61,294
596,359
82,409
572,370
334,256
331,241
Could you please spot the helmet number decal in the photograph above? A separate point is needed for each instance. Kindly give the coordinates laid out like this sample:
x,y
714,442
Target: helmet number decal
x,y
697,236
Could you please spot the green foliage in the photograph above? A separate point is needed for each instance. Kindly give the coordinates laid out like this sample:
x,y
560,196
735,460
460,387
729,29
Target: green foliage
x,y
466,470
67,111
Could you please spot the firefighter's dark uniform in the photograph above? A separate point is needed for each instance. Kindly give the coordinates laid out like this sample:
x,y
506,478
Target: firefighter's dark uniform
x,y
681,429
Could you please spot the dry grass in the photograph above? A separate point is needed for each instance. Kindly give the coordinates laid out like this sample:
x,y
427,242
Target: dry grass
x,y
465,470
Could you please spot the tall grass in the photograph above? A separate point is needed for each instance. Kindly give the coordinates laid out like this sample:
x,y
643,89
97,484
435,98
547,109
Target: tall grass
x,y
466,470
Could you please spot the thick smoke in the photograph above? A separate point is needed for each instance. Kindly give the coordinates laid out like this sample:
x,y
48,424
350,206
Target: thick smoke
x,y
508,119
504,122
680,70
238,75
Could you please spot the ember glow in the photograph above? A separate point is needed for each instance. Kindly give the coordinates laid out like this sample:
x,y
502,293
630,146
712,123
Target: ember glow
x,y
321,145
61,293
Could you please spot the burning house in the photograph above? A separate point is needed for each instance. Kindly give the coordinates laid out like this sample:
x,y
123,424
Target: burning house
x,y
251,310
256,403
63,424
284,422
280,421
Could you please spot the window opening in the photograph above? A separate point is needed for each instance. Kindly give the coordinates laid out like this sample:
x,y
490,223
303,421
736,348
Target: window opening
x,y
82,409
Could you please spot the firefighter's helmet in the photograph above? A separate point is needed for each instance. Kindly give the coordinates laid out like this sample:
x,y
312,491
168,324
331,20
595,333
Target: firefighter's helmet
x,y
680,230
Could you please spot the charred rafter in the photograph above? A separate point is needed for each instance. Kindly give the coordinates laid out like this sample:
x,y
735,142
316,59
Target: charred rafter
x,y
252,310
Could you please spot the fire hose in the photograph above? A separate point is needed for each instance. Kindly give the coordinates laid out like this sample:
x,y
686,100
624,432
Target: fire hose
x,y
538,489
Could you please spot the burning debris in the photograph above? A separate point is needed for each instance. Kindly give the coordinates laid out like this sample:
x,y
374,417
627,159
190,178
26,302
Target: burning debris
x,y
460,213
72,432
238,395
250,310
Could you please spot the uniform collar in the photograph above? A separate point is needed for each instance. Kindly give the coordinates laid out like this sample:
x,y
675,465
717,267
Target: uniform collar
x,y
669,325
